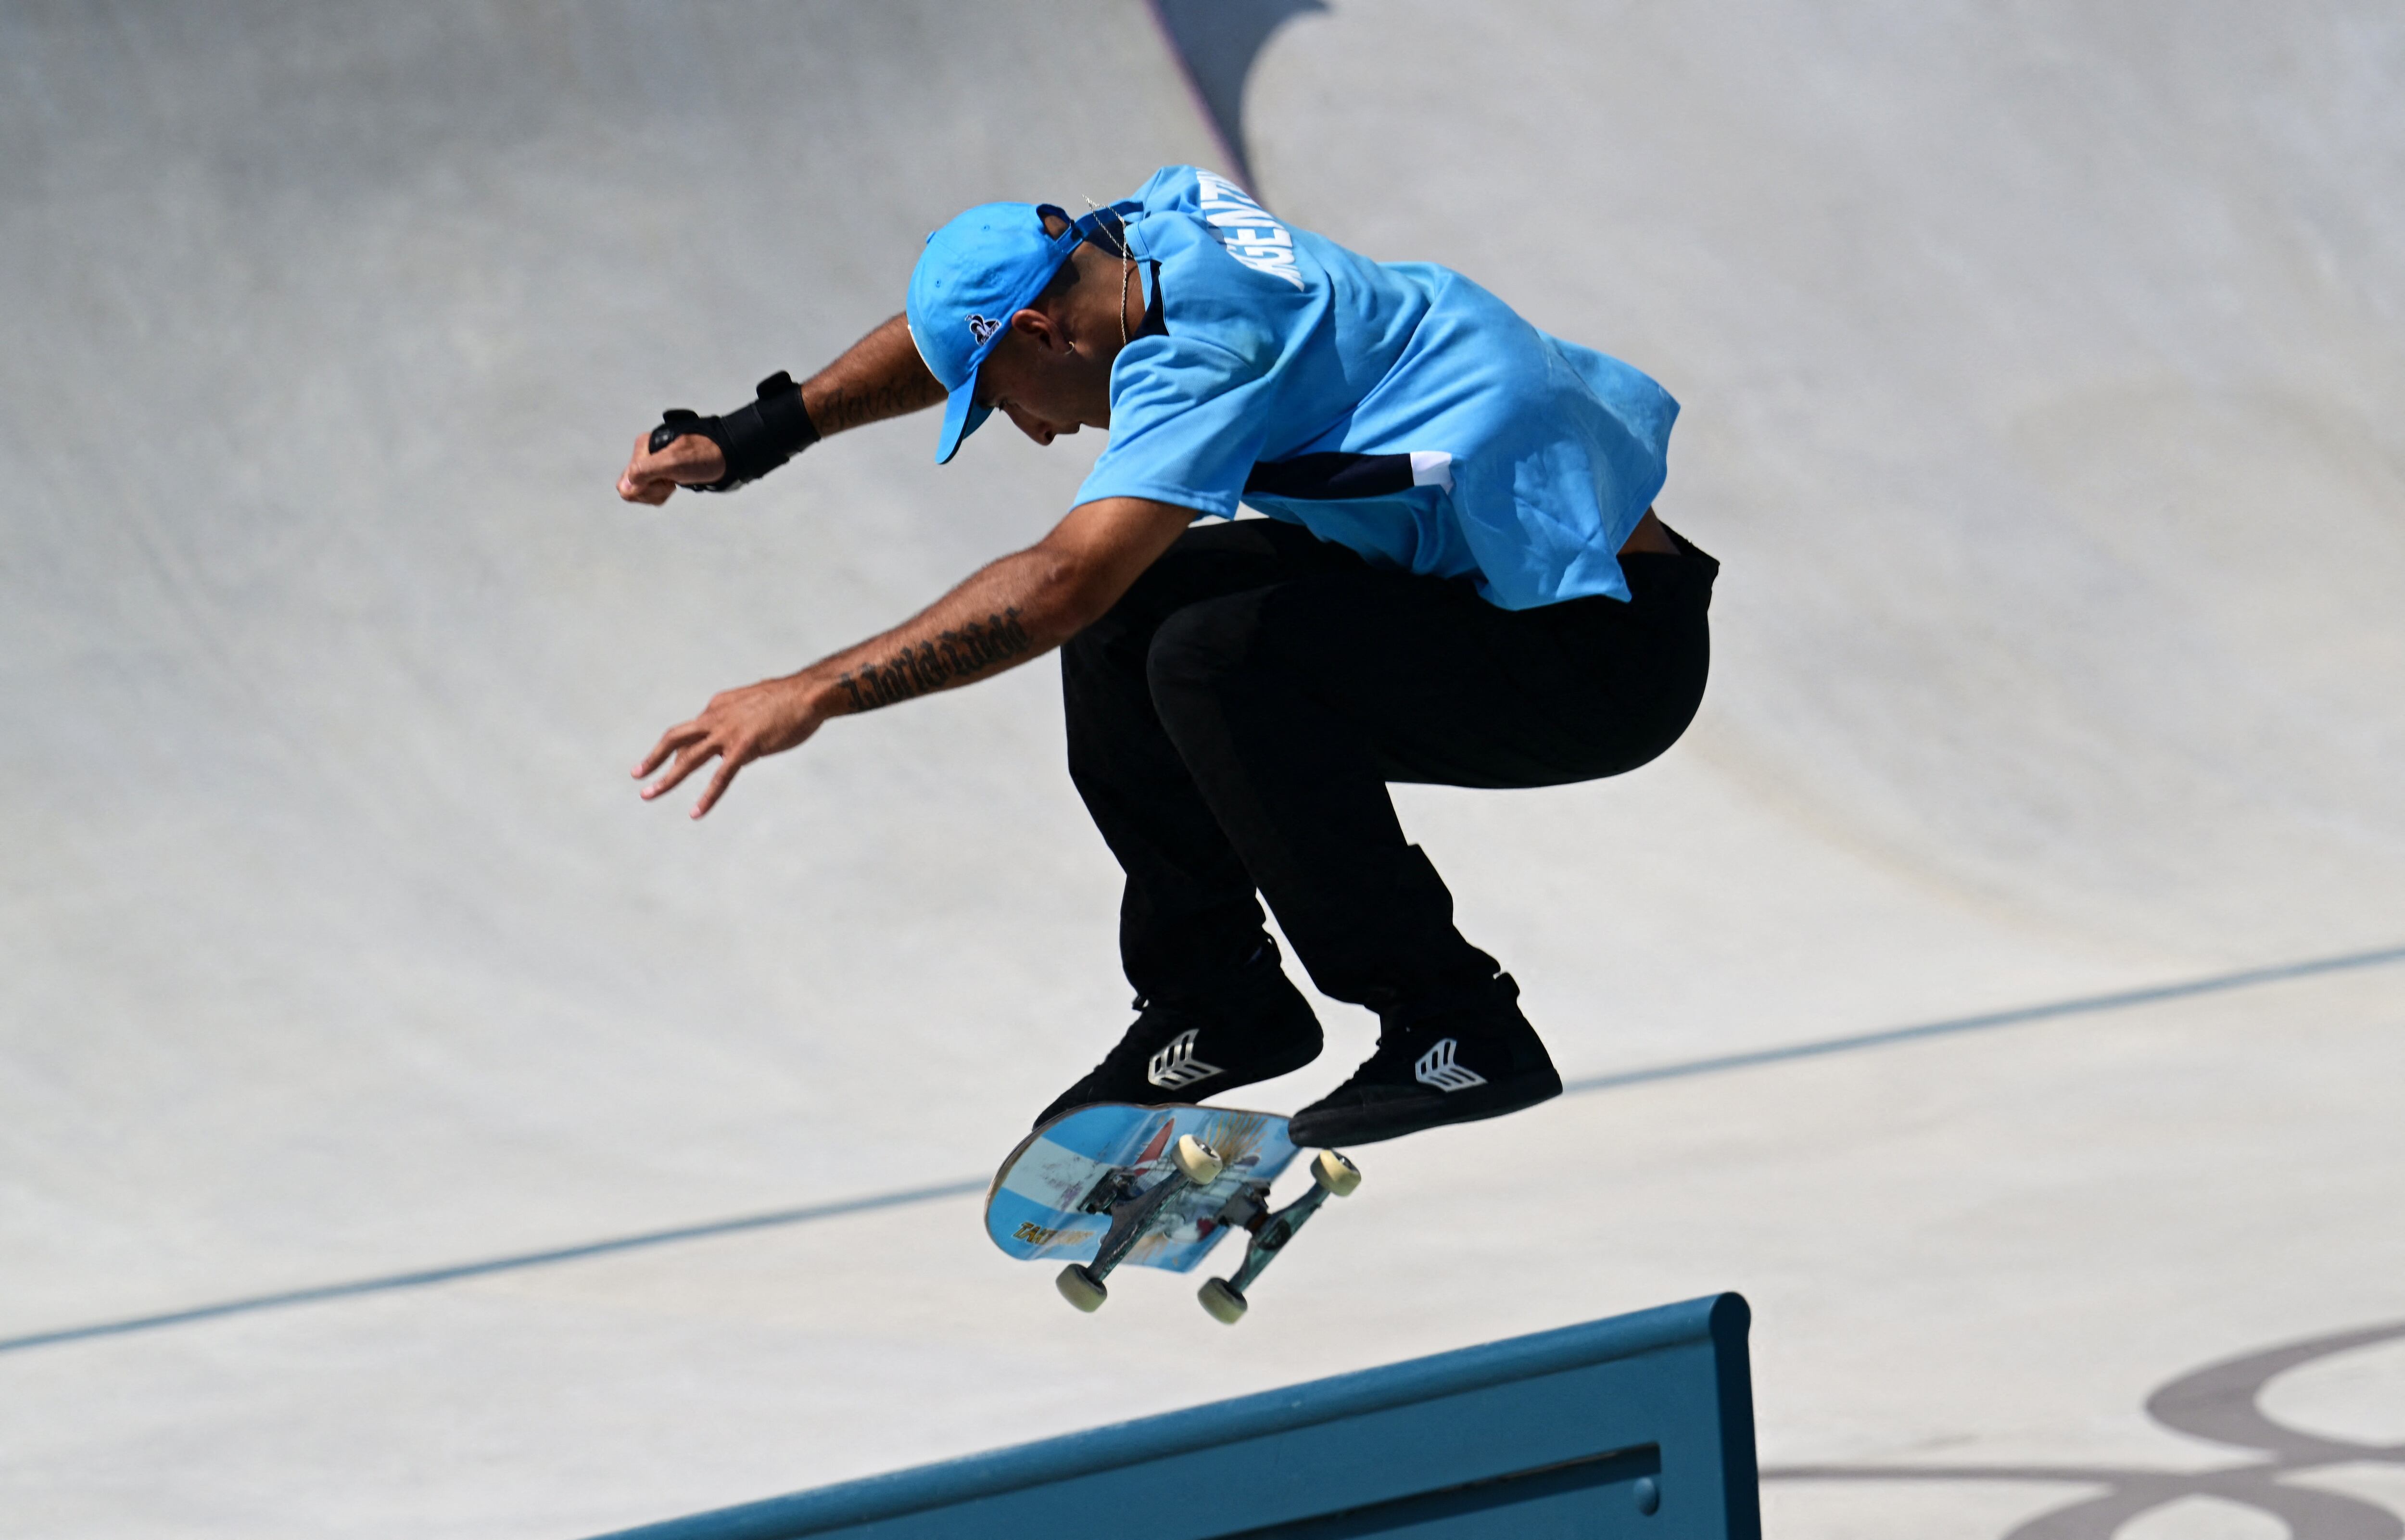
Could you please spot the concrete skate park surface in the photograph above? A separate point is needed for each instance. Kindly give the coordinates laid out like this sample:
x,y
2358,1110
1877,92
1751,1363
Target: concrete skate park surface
x,y
2043,383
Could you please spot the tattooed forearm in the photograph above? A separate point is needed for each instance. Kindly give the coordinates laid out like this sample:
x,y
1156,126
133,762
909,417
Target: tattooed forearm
x,y
879,376
850,405
953,657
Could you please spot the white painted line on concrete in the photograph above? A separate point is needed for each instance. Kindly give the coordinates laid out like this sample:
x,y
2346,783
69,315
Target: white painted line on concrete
x,y
2082,1005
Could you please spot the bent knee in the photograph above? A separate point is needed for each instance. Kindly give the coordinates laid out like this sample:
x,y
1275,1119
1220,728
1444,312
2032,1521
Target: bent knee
x,y
1198,651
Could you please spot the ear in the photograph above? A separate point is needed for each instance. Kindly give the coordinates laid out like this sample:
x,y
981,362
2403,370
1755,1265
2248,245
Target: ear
x,y
1038,327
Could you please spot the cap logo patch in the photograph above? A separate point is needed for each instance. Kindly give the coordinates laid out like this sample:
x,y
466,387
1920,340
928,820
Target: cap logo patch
x,y
981,329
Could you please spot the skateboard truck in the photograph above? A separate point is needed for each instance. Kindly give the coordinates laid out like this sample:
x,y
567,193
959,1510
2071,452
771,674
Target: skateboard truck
x,y
1331,1176
1193,1163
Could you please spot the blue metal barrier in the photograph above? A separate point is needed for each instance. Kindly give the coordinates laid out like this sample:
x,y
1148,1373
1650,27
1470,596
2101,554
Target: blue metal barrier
x,y
1640,1426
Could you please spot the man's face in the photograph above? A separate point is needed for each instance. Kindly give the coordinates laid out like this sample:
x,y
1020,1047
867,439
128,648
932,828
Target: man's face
x,y
1042,381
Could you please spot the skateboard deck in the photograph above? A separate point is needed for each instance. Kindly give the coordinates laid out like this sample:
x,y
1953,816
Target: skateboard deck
x,y
1157,1186
1038,1208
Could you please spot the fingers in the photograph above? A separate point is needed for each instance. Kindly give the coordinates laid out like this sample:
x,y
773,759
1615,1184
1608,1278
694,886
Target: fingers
x,y
670,741
645,479
736,728
718,783
692,749
690,459
692,744
687,762
731,757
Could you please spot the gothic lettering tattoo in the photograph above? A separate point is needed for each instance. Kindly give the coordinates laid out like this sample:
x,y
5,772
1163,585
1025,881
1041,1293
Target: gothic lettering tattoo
x,y
953,656
851,406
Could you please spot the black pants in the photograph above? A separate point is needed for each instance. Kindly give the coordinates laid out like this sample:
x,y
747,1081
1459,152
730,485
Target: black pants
x,y
1234,720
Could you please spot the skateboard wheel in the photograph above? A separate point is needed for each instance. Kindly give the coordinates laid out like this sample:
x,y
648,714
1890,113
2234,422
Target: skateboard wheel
x,y
1334,1173
1081,1288
1225,1304
1197,1161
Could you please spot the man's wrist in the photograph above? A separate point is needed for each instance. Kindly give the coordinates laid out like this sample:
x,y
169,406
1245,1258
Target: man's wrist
x,y
769,431
820,692
755,439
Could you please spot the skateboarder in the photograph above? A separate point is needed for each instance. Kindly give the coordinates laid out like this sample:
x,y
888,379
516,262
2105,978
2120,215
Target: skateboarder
x,y
1460,580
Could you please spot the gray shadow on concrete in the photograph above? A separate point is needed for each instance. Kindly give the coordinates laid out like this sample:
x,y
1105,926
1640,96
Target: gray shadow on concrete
x,y
1217,42
2220,1403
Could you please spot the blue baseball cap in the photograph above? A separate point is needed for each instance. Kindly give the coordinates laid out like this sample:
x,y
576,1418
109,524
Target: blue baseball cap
x,y
976,272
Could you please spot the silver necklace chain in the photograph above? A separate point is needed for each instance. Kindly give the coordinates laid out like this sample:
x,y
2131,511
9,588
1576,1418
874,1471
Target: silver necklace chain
x,y
1127,270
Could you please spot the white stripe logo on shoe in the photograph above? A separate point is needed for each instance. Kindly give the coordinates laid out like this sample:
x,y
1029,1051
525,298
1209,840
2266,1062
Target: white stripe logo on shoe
x,y
1174,1068
1436,1067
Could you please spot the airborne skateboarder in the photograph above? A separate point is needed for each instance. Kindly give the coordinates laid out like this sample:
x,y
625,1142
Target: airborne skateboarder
x,y
1460,580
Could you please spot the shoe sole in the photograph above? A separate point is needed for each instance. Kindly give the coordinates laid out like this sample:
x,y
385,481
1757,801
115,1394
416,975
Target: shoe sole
x,y
1340,1125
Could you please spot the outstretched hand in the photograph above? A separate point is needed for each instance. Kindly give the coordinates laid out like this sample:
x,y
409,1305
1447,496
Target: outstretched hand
x,y
691,459
737,727
1000,615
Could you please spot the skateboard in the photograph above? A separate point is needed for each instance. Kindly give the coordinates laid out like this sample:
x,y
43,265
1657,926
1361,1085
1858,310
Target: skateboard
x,y
1154,1187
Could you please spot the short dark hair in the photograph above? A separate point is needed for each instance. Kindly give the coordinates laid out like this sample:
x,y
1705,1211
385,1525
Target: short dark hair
x,y
1062,281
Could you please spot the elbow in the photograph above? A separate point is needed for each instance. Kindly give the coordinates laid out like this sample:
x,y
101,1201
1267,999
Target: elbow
x,y
1076,595
1093,599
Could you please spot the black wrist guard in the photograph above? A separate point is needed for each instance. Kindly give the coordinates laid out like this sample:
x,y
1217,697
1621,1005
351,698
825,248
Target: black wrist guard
x,y
755,438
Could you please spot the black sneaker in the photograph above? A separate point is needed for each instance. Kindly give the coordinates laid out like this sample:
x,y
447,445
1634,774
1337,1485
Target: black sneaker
x,y
1189,1043
1466,1059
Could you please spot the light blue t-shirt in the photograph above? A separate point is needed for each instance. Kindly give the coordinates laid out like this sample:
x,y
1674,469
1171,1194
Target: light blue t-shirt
x,y
1394,408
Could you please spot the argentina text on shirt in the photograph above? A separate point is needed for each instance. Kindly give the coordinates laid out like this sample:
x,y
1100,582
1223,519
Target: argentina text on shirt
x,y
1242,226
